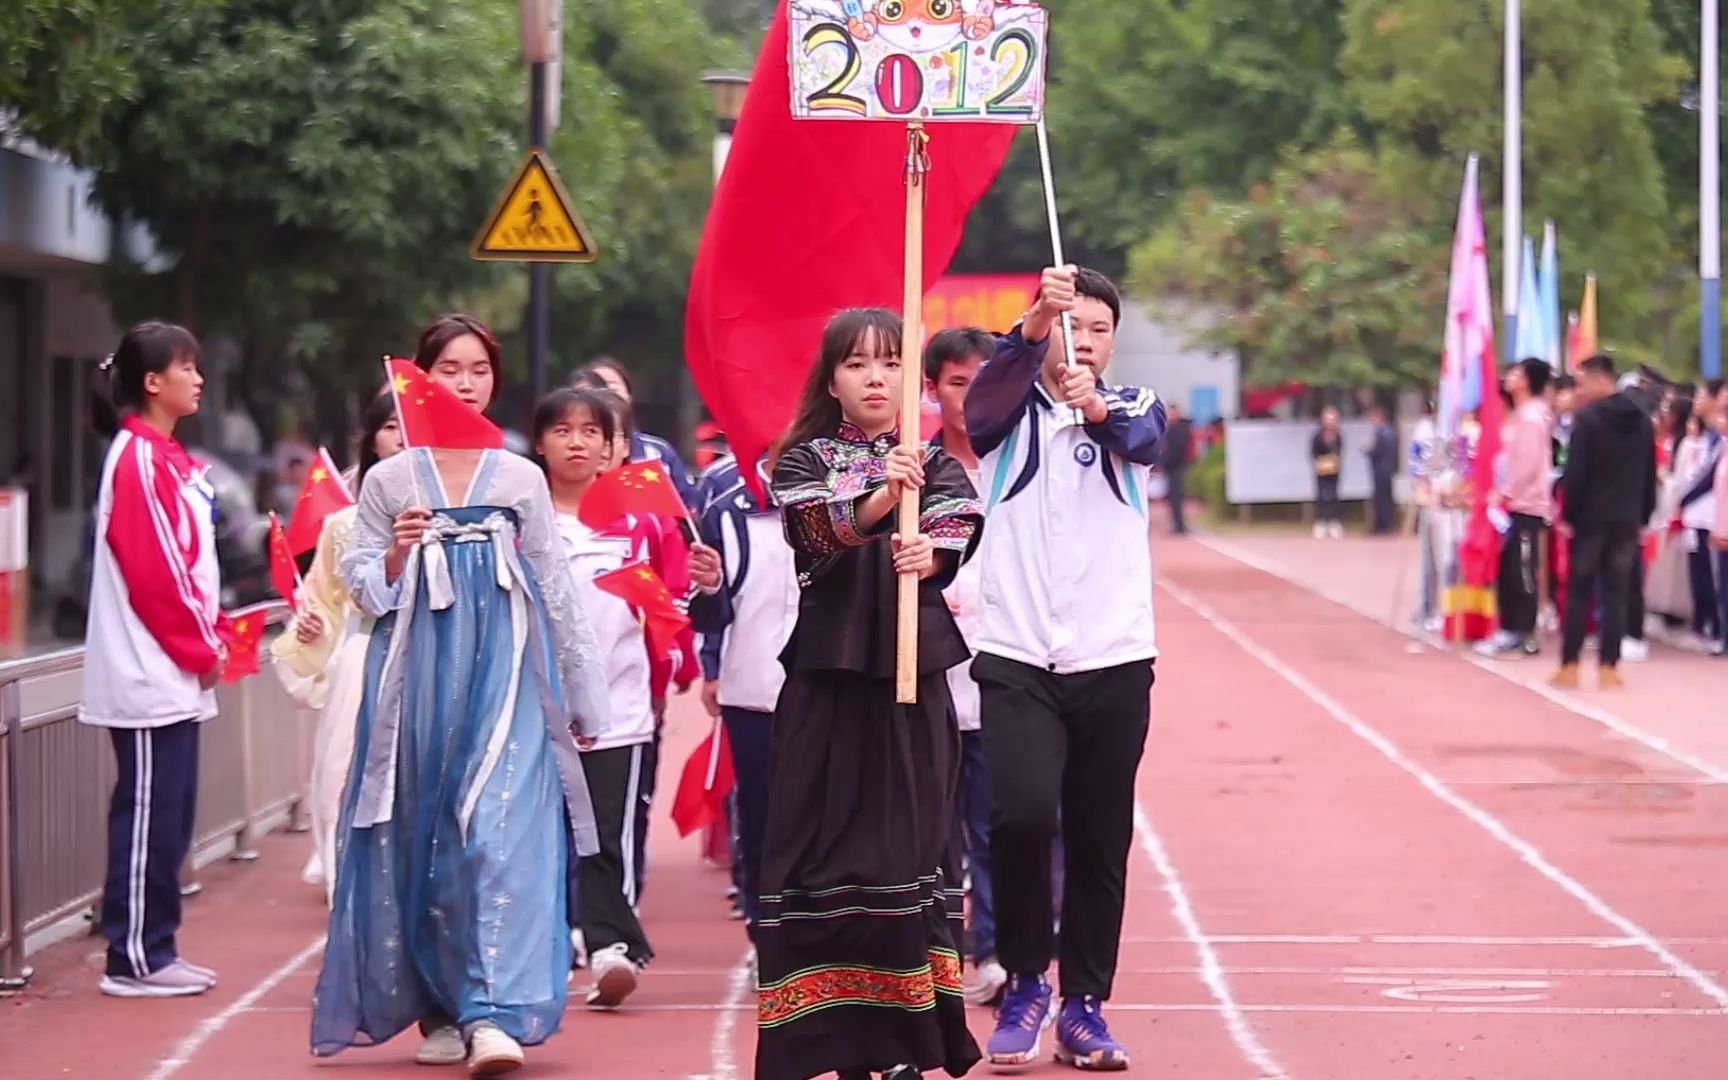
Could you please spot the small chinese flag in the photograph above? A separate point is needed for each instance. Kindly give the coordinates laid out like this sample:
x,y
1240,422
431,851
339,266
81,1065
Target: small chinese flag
x,y
245,636
640,587
704,784
433,416
283,573
323,494
639,488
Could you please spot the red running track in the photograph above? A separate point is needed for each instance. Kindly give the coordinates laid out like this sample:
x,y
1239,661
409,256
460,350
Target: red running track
x,y
1353,861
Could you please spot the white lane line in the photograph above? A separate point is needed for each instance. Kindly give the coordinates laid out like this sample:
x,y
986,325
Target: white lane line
x,y
208,1029
1211,971
722,1062
1659,743
1525,850
1594,942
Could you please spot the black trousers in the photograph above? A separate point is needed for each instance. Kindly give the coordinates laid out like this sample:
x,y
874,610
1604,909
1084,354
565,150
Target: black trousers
x,y
1383,509
1701,576
1516,582
1176,494
149,834
606,881
1067,745
1602,556
750,736
1326,509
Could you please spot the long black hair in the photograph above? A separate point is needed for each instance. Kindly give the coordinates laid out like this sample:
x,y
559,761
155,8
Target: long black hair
x,y
149,348
818,409
381,411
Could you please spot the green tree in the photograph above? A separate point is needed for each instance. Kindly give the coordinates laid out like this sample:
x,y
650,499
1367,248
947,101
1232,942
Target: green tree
x,y
1148,100
313,171
1424,74
1321,275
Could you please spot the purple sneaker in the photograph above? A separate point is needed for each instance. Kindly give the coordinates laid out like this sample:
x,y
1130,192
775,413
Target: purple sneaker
x,y
1083,1039
1021,1021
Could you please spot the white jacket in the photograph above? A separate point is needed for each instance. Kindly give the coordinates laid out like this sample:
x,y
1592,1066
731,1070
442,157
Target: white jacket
x,y
617,632
1067,569
155,588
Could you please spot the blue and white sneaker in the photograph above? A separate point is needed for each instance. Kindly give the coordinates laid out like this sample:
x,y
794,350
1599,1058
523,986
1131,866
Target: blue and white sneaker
x,y
1083,1039
1021,1021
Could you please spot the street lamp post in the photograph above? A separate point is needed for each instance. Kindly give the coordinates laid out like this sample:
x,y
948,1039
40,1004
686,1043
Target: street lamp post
x,y
727,90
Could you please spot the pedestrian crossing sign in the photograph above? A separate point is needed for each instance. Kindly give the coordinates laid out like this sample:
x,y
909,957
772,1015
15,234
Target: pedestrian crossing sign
x,y
535,220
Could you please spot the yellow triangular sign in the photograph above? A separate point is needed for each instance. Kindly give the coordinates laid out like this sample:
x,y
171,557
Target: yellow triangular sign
x,y
535,221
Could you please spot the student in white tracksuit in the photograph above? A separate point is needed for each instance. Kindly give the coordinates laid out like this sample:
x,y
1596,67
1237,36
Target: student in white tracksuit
x,y
574,432
154,653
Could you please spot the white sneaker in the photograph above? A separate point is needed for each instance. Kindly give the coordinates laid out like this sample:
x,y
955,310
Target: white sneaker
x,y
443,1046
1336,530
614,975
1319,530
174,980
492,1053
208,975
580,960
988,979
1634,650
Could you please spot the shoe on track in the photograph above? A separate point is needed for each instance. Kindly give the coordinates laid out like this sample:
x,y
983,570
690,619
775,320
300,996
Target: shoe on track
x,y
1083,1040
207,974
985,986
492,1053
1021,1021
615,976
172,980
442,1046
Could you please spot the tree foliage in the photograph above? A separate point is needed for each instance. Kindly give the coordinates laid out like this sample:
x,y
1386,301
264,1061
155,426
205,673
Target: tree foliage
x,y
1426,77
1319,275
313,171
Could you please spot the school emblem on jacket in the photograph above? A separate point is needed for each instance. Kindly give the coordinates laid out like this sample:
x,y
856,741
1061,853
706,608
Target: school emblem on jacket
x,y
1085,453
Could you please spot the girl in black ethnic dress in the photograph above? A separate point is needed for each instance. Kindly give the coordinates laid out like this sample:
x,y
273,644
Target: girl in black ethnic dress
x,y
861,906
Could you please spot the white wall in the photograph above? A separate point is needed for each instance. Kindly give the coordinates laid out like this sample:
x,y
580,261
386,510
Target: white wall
x,y
1156,352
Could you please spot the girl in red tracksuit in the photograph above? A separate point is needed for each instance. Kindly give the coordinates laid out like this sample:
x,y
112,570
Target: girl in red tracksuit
x,y
154,652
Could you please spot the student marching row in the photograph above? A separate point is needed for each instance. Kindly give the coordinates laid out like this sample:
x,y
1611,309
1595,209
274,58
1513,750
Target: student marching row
x,y
490,710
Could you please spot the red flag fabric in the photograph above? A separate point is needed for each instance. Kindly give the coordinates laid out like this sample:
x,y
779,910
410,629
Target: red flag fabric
x,y
639,488
244,632
433,416
704,784
809,217
641,588
283,573
321,495
1479,553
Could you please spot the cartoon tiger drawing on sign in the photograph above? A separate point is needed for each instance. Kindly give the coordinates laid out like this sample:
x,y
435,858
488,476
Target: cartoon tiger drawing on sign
x,y
919,26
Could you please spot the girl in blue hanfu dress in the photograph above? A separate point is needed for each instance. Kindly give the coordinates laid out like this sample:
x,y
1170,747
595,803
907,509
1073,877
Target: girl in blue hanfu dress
x,y
481,676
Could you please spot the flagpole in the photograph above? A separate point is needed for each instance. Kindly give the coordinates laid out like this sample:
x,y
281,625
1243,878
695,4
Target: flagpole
x,y
1710,199
1512,178
911,396
1055,235
402,429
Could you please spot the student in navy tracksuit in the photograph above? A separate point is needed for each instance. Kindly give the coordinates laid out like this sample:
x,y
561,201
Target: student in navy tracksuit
x,y
1065,650
154,652
744,627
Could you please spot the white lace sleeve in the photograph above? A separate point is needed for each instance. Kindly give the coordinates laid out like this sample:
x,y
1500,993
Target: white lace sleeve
x,y
362,566
579,665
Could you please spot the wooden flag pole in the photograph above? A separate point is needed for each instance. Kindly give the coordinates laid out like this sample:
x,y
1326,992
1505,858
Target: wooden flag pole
x,y
911,398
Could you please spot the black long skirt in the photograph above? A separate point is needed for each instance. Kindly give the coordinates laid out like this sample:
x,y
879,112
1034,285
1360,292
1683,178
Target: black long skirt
x,y
861,906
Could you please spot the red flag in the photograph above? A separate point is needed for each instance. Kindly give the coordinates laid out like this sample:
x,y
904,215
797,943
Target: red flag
x,y
809,218
321,495
704,784
641,488
283,573
431,415
641,588
244,634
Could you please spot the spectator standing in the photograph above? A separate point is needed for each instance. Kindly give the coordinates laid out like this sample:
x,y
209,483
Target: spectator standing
x,y
1327,451
1178,454
1383,466
1609,488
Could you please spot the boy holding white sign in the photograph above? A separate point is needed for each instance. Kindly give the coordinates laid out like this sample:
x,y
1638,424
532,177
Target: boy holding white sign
x,y
1065,652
